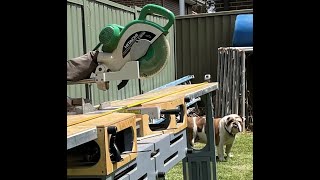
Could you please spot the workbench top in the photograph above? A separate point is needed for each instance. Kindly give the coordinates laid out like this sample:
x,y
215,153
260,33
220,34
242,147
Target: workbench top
x,y
81,129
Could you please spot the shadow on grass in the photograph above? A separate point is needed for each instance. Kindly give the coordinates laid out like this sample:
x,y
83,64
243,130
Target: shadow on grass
x,y
238,167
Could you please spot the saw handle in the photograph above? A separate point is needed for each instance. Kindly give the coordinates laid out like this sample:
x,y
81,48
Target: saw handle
x,y
155,9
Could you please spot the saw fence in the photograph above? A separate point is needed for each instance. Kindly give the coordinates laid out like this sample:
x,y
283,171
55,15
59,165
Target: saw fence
x,y
141,137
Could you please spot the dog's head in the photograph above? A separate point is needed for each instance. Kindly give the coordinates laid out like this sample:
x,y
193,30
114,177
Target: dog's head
x,y
233,123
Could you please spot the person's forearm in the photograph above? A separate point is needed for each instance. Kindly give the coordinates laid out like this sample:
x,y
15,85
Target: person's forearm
x,y
81,67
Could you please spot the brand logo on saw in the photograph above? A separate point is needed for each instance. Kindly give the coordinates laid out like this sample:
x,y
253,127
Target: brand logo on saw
x,y
133,39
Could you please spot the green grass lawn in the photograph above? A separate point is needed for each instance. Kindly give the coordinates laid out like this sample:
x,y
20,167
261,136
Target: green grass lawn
x,y
239,167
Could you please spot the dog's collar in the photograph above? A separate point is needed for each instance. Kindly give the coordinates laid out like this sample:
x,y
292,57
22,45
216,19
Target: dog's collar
x,y
225,127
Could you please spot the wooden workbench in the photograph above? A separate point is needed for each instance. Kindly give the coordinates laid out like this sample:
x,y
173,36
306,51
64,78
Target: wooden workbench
x,y
80,131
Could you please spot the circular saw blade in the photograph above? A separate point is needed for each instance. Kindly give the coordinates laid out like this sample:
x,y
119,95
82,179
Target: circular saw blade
x,y
156,57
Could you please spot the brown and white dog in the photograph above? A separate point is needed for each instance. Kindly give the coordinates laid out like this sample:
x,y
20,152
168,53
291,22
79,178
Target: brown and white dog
x,y
226,129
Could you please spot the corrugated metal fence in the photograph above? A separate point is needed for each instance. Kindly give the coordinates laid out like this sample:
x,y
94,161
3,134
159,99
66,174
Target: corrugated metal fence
x,y
198,38
85,19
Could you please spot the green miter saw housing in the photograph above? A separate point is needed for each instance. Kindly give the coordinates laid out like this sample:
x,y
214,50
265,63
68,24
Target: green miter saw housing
x,y
141,43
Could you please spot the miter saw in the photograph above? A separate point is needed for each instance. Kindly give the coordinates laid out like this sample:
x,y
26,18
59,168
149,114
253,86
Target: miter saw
x,y
137,50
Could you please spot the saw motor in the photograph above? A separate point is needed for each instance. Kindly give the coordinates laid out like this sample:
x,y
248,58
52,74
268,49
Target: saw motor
x,y
135,51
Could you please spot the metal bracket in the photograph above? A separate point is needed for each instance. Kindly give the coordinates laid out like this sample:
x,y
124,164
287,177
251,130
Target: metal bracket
x,y
155,113
102,75
79,106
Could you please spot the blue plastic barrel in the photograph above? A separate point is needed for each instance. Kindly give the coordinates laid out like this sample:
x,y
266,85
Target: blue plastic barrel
x,y
243,31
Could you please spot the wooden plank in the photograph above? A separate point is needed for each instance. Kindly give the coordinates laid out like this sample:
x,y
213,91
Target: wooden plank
x,y
163,92
228,105
104,166
170,101
217,99
224,84
234,67
180,90
72,130
182,93
99,121
77,116
237,84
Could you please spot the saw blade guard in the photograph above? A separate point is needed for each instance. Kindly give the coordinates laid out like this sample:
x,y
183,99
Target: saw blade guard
x,y
155,59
